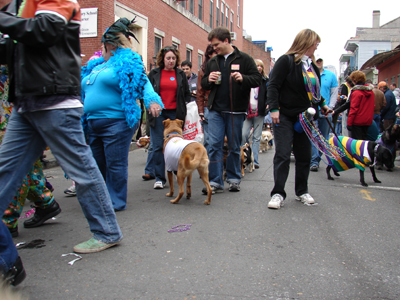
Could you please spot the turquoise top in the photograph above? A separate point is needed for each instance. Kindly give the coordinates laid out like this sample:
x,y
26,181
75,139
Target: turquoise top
x,y
102,94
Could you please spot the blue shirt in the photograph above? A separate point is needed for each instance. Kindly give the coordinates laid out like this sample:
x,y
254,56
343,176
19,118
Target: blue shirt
x,y
328,81
102,94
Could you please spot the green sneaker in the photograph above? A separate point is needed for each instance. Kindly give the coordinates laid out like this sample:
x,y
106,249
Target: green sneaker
x,y
92,246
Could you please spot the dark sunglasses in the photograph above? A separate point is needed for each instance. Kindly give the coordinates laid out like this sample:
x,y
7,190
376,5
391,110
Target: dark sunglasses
x,y
169,48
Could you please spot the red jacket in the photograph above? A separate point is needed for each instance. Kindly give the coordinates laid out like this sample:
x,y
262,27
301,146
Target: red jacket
x,y
362,105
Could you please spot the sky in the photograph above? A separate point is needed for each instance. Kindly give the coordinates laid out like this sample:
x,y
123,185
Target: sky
x,y
335,22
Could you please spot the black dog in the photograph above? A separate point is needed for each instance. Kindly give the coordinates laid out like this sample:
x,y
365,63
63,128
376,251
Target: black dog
x,y
390,139
378,154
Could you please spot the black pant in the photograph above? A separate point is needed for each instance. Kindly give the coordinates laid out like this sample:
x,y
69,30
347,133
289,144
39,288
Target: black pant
x,y
359,132
285,136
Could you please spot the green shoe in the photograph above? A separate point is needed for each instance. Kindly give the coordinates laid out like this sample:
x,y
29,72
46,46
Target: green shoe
x,y
92,246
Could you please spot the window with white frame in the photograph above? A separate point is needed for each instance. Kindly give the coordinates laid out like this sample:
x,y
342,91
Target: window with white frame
x,y
227,16
211,13
217,12
183,4
157,44
222,13
199,61
238,13
188,55
191,6
201,10
175,45
231,21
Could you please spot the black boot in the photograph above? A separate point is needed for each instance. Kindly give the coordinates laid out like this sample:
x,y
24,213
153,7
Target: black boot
x,y
42,215
16,274
14,231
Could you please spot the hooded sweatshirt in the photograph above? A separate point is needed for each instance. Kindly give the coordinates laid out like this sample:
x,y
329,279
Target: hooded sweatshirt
x,y
362,104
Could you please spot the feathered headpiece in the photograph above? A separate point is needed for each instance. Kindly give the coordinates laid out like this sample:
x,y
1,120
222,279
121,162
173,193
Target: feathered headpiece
x,y
124,26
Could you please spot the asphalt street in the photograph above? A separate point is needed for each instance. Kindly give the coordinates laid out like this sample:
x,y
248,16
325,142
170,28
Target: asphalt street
x,y
345,247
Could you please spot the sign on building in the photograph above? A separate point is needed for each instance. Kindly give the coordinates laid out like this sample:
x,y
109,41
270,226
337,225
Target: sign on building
x,y
88,22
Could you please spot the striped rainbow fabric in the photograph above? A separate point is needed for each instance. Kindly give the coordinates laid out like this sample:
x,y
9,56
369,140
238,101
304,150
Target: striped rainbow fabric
x,y
358,149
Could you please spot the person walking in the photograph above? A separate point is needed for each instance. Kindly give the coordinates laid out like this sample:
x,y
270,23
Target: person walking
x,y
329,91
294,86
256,113
40,44
186,66
388,114
230,76
171,84
202,94
111,86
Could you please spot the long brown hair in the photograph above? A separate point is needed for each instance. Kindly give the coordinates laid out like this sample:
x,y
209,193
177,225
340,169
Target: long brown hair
x,y
302,42
207,54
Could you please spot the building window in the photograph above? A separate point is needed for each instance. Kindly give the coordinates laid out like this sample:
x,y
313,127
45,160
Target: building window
x,y
217,13
231,20
189,55
191,6
157,44
199,61
227,16
211,14
201,10
183,4
222,13
238,13
175,45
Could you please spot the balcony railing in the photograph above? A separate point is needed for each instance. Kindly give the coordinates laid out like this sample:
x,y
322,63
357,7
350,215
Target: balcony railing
x,y
348,71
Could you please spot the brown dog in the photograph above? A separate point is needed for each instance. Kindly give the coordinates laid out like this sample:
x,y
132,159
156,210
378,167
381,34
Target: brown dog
x,y
225,151
193,156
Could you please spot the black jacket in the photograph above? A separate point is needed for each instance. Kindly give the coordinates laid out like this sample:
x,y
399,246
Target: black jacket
x,y
45,60
182,95
286,89
262,97
240,90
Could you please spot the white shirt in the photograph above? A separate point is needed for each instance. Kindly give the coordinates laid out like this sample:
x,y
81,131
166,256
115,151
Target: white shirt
x,y
173,151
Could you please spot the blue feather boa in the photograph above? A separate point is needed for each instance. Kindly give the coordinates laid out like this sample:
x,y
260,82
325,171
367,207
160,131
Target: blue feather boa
x,y
134,84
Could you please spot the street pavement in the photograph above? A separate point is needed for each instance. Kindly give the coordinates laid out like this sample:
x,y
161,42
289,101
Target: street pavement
x,y
345,247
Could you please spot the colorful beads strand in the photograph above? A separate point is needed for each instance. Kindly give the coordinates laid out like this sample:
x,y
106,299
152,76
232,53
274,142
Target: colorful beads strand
x,y
318,140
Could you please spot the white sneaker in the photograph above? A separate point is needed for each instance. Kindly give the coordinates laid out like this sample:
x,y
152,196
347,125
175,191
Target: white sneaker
x,y
276,201
306,198
158,185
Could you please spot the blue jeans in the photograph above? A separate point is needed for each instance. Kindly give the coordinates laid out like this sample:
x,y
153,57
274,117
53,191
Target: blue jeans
x,y
257,123
323,126
377,120
155,165
109,140
221,124
27,136
204,124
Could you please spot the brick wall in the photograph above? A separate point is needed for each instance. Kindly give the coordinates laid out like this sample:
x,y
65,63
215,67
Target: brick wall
x,y
162,15
258,53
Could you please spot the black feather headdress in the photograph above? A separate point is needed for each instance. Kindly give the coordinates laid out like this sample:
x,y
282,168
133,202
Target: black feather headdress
x,y
124,26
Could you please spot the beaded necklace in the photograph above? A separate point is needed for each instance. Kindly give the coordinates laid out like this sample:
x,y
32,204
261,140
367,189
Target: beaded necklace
x,y
95,73
316,93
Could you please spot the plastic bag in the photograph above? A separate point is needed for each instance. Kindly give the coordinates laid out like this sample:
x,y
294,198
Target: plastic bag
x,y
192,129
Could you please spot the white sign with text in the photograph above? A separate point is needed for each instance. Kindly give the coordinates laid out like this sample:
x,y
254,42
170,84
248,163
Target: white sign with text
x,y
88,22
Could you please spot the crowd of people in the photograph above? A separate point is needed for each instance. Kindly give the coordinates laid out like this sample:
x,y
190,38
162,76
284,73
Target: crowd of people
x,y
88,116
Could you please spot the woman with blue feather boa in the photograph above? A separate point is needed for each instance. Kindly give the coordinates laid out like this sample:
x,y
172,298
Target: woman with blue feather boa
x,y
111,86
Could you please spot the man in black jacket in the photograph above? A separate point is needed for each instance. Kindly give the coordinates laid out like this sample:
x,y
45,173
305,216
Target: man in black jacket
x,y
229,75
40,45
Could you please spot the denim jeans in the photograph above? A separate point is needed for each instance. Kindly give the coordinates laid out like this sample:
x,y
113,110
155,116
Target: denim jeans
x,y
27,136
109,140
285,136
323,126
204,124
155,157
229,125
377,120
257,123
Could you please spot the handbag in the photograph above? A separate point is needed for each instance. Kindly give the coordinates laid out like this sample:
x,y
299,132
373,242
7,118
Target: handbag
x,y
192,129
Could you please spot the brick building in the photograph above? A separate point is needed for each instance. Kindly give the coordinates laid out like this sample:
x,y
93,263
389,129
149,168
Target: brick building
x,y
159,23
184,24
